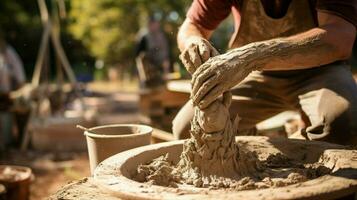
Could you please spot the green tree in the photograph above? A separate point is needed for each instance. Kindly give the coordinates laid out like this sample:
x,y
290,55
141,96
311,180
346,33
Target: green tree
x,y
21,26
108,28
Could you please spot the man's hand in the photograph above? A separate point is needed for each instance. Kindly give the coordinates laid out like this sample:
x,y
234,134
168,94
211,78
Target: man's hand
x,y
216,76
197,51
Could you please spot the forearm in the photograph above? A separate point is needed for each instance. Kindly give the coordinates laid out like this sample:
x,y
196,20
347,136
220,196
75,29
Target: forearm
x,y
313,48
188,30
298,52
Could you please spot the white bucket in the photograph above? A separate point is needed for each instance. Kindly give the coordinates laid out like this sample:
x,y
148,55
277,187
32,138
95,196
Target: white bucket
x,y
105,141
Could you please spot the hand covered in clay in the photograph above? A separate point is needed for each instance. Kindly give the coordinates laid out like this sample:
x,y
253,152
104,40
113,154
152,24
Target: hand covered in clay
x,y
197,51
215,76
216,115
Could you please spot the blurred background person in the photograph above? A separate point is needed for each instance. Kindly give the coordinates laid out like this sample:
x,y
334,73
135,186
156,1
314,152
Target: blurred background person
x,y
153,55
12,77
12,61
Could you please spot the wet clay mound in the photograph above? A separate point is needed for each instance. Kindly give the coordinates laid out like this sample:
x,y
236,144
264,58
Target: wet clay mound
x,y
212,159
330,172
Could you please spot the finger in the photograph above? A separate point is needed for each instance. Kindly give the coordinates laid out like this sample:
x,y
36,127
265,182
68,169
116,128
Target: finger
x,y
186,60
211,96
201,79
200,70
204,51
195,56
204,89
227,98
213,52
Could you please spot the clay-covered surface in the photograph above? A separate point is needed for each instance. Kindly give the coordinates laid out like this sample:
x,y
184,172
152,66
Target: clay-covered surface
x,y
85,188
116,172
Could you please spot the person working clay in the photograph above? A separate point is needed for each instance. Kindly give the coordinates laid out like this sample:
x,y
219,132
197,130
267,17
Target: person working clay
x,y
285,54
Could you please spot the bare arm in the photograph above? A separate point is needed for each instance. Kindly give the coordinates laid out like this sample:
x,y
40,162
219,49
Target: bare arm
x,y
331,41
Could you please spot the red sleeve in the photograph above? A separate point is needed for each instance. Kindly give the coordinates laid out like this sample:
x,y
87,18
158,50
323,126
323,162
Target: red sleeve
x,y
209,13
347,9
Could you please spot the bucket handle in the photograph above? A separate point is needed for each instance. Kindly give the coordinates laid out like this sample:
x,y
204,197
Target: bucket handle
x,y
82,128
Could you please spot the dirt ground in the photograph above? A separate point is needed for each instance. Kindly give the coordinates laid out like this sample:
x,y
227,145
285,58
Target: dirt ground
x,y
50,170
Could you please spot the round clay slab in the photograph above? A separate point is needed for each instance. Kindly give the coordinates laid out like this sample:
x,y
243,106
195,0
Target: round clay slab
x,y
115,172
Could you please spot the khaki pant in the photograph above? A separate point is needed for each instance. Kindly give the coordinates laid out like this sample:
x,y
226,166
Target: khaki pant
x,y
326,96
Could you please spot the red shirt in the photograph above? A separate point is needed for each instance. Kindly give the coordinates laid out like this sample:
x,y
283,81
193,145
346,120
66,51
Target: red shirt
x,y
209,13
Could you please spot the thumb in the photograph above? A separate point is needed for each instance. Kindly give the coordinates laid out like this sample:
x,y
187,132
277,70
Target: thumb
x,y
214,52
227,99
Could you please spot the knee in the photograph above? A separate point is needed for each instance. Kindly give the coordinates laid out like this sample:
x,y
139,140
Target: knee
x,y
331,119
334,107
180,128
324,106
181,123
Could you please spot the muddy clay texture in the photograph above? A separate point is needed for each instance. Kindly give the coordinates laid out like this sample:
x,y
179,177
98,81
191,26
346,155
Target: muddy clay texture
x,y
86,188
212,159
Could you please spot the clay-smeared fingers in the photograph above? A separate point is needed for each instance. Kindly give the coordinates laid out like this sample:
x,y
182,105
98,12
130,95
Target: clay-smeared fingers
x,y
197,51
200,78
199,71
195,56
186,60
212,51
204,89
211,96
227,99
204,51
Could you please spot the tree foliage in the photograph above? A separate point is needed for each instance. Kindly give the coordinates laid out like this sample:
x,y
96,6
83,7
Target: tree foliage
x,y
108,28
21,26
